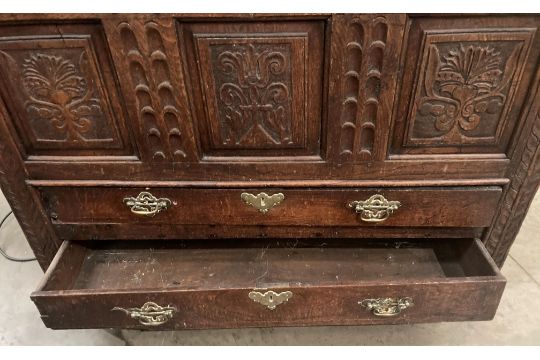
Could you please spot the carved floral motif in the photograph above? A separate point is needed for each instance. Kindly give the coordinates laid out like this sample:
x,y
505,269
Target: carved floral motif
x,y
462,86
256,99
58,93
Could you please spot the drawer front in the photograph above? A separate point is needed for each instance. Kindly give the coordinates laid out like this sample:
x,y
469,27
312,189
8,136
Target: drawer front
x,y
207,289
419,207
233,308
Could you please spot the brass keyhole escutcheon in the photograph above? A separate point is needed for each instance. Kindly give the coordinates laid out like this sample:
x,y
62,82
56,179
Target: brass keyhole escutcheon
x,y
262,201
270,299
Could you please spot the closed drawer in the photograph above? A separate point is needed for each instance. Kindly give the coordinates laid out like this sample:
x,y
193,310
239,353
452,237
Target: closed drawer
x,y
176,285
420,207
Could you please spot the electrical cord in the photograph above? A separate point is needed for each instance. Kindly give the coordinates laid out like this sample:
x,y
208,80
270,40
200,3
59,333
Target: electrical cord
x,y
4,254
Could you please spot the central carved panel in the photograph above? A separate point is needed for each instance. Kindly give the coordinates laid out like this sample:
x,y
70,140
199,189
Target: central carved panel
x,y
255,91
253,82
257,88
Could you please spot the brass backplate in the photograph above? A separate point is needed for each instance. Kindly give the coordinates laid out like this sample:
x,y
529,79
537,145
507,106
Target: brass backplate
x,y
262,201
150,314
270,299
375,209
386,307
147,204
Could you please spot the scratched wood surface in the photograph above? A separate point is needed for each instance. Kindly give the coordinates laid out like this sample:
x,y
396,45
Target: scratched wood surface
x,y
439,112
209,285
425,206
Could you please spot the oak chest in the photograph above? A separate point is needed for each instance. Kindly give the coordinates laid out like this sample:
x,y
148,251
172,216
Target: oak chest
x,y
211,171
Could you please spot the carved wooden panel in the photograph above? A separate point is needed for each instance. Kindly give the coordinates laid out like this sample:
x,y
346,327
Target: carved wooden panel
x,y
465,90
58,95
254,83
150,70
366,67
359,110
257,88
465,87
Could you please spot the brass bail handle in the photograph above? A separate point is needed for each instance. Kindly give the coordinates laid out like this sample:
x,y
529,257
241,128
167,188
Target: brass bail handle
x,y
150,314
386,307
146,204
375,209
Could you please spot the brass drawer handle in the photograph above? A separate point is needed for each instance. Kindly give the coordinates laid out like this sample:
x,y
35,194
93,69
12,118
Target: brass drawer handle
x,y
375,209
270,299
386,307
150,314
262,201
147,204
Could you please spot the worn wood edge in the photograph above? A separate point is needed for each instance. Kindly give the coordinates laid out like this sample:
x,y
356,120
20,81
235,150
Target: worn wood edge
x,y
364,283
243,159
52,267
23,199
524,177
489,260
6,17
257,183
237,171
474,156
92,159
202,232
217,16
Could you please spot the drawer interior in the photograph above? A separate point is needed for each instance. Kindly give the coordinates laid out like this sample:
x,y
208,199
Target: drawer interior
x,y
216,283
259,263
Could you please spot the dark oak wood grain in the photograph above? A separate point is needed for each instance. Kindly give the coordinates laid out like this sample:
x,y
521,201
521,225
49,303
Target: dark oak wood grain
x,y
59,86
518,195
23,199
438,112
463,82
209,286
439,207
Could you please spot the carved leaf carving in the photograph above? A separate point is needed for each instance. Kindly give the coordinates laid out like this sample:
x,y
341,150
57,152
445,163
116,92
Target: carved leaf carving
x,y
255,100
470,71
57,92
52,78
463,85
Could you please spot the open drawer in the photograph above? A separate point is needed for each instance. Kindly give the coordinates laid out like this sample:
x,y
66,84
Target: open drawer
x,y
181,284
